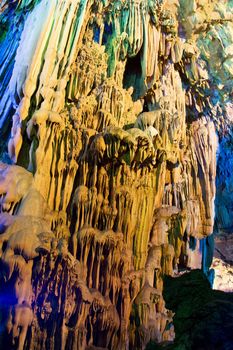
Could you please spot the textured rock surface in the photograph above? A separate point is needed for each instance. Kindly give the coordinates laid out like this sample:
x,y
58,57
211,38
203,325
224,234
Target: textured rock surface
x,y
223,275
203,317
222,263
111,110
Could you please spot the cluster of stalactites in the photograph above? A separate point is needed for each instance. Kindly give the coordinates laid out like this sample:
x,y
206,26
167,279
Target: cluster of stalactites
x,y
122,188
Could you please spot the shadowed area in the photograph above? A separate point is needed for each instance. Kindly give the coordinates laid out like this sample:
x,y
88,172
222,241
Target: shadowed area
x,y
203,317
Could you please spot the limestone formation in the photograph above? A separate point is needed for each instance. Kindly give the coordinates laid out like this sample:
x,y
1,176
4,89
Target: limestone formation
x,y
107,183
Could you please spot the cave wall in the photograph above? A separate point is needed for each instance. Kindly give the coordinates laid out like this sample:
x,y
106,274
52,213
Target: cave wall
x,y
111,111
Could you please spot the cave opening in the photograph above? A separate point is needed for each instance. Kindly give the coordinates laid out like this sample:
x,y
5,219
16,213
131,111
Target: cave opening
x,y
133,74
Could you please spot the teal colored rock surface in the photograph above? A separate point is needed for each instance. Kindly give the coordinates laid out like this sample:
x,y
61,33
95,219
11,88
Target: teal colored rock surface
x,y
203,318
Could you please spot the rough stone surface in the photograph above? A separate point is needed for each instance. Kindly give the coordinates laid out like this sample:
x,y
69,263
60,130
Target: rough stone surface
x,y
203,317
223,263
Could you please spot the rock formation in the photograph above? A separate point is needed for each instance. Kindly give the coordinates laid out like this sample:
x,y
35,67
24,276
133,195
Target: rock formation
x,y
112,114
203,317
